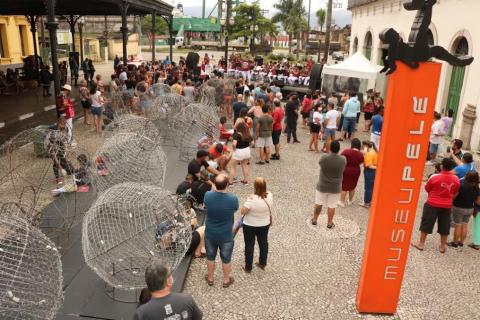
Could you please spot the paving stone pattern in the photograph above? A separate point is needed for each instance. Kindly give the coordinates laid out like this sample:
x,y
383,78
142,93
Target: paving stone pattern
x,y
312,272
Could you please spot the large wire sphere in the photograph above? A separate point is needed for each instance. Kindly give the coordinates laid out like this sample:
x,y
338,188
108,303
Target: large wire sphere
x,y
129,225
161,89
131,123
27,171
128,157
30,271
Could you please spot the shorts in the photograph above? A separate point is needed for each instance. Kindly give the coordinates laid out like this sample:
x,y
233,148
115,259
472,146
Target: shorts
x,y
329,200
314,128
368,115
461,215
305,115
241,154
276,136
349,124
430,215
329,132
264,142
226,250
433,148
96,111
86,104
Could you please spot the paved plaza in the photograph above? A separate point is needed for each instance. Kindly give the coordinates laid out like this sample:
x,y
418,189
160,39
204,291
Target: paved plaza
x,y
312,272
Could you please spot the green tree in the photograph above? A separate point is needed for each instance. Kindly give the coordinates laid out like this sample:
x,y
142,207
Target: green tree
x,y
291,14
282,16
321,15
161,26
249,23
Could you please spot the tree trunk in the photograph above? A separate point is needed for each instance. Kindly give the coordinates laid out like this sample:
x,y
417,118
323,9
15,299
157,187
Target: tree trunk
x,y
327,35
289,43
298,46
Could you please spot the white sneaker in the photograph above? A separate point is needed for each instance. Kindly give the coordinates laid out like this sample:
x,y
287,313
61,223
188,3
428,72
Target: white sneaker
x,y
341,204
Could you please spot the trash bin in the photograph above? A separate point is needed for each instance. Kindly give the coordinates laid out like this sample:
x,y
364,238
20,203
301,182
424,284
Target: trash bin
x,y
40,133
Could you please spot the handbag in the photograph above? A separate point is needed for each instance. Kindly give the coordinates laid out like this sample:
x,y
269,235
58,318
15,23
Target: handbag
x,y
269,210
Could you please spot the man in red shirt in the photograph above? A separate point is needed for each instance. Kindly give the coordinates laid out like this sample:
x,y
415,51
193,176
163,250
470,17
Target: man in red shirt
x,y
442,188
277,116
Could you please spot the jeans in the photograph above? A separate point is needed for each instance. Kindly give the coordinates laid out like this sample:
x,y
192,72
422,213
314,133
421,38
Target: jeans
x,y
369,175
291,130
349,124
249,234
226,249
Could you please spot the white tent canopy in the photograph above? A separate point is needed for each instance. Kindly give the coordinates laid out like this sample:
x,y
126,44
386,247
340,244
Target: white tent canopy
x,y
356,66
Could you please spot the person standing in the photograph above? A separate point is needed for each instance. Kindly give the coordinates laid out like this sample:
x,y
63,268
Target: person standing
x,y
220,207
463,206
257,212
350,110
447,121
464,165
435,137
376,127
85,101
369,169
315,127
68,110
116,61
441,189
73,70
351,173
189,91
256,112
331,122
163,303
476,227
368,109
45,80
291,116
91,70
241,140
264,136
278,114
97,101
329,185
237,107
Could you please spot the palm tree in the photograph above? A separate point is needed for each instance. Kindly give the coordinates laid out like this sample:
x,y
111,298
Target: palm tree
x,y
321,14
329,24
283,16
299,24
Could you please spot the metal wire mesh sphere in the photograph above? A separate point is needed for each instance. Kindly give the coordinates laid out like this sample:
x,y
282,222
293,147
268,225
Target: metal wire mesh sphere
x,y
129,225
208,96
30,271
130,123
128,157
161,89
194,127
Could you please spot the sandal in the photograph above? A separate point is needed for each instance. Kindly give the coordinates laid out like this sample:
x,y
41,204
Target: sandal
x,y
416,246
313,222
203,255
229,283
474,246
442,250
260,162
261,266
244,181
330,226
210,283
246,270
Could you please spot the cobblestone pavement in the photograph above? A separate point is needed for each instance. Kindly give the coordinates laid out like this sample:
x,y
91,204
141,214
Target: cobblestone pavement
x,y
312,273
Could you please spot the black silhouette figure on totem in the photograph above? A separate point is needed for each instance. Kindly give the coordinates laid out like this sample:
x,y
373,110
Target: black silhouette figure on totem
x,y
417,49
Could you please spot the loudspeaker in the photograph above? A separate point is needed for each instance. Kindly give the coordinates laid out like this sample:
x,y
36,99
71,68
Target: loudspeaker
x,y
192,60
316,77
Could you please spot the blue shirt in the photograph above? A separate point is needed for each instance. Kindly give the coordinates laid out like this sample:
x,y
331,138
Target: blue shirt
x,y
462,170
220,208
351,108
377,122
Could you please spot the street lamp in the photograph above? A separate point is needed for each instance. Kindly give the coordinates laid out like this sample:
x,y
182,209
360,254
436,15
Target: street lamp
x,y
81,23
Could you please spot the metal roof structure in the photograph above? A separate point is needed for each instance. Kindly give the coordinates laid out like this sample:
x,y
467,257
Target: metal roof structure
x,y
85,7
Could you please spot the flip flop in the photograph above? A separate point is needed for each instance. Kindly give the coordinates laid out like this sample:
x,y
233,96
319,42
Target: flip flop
x,y
417,247
229,283
210,283
313,222
442,251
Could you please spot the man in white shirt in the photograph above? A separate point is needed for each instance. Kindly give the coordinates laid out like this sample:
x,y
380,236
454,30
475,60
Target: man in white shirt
x,y
436,137
331,123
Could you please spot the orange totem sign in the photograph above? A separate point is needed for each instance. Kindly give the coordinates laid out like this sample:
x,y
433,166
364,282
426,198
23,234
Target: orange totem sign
x,y
407,121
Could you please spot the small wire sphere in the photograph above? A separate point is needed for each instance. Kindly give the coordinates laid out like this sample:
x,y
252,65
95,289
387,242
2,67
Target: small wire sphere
x,y
30,271
129,225
161,89
128,157
131,123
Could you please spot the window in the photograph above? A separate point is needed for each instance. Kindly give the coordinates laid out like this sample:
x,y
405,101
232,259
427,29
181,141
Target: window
x,y
3,51
355,45
22,32
461,47
367,47
430,39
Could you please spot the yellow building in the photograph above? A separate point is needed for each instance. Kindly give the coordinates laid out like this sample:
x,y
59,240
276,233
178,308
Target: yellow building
x,y
16,41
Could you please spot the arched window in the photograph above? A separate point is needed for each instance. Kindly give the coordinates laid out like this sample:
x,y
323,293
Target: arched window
x,y
355,45
461,47
367,45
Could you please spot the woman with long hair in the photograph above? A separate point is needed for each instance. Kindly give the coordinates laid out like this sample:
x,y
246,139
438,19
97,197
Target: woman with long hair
x,y
85,101
352,172
248,99
241,151
463,205
307,105
97,100
244,118
369,170
257,212
315,127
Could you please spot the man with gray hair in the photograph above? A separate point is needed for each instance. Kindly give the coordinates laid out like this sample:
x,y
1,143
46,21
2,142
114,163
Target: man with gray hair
x,y
164,304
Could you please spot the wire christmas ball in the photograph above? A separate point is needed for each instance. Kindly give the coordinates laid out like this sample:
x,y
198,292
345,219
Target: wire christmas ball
x,y
30,271
129,225
131,123
128,157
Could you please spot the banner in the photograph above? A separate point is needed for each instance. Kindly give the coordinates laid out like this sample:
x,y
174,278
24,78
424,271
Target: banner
x,y
409,109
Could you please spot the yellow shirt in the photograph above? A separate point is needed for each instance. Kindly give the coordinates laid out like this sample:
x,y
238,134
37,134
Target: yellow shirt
x,y
370,158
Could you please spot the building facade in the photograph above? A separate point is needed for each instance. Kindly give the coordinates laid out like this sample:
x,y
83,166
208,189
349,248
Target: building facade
x,y
453,27
16,41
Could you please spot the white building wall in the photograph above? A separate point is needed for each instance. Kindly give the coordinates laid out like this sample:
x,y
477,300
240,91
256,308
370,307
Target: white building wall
x,y
451,19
